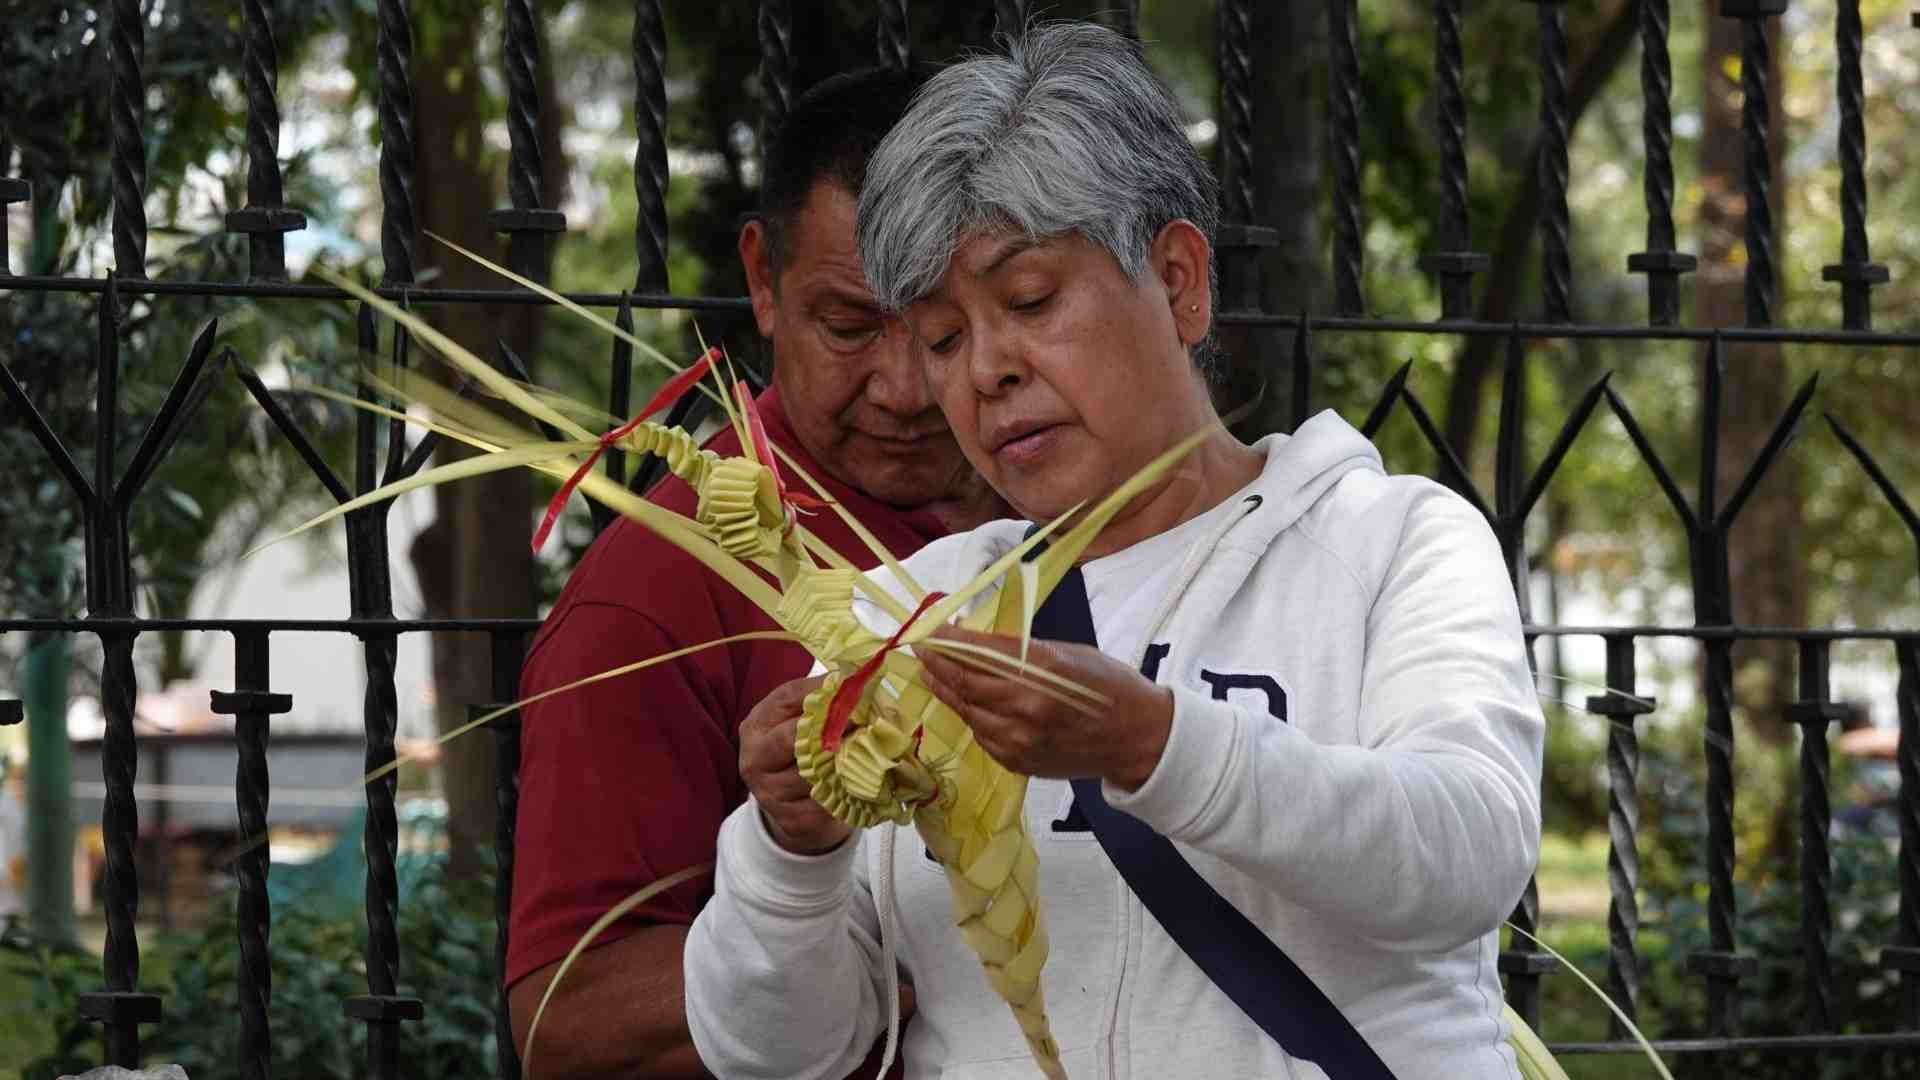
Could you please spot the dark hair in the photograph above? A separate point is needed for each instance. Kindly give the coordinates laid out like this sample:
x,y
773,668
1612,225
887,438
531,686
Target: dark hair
x,y
829,134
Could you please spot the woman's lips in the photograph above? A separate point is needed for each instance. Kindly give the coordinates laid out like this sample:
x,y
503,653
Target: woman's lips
x,y
1030,447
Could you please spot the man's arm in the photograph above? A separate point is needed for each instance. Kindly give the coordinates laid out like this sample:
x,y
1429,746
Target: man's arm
x,y
623,782
620,1012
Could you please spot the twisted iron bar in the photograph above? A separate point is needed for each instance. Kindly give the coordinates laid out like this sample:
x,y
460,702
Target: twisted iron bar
x,y
521,47
1813,712
1856,271
256,981
120,820
1521,964
1853,135
261,77
1623,868
1722,918
251,705
776,68
126,42
1455,263
650,147
1755,59
508,648
1660,262
1656,125
1451,116
1621,705
394,51
1556,263
380,713
892,35
1908,756
264,218
1009,16
1343,131
1236,108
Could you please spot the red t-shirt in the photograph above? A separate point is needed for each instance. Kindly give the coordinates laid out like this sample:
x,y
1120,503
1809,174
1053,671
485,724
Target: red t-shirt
x,y
627,780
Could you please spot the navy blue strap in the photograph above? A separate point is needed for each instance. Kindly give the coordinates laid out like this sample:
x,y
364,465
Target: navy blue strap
x,y
1223,943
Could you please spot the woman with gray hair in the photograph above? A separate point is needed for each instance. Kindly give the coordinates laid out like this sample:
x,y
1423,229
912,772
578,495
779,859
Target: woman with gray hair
x,y
1287,848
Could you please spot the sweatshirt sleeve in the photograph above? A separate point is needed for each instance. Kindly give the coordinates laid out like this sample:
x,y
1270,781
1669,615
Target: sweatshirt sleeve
x,y
783,966
1424,834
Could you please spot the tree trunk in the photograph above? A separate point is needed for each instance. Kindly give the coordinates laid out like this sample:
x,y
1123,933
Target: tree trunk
x,y
473,560
49,788
1290,85
1767,565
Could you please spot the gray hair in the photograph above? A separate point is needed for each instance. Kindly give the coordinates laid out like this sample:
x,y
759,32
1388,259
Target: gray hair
x,y
1069,131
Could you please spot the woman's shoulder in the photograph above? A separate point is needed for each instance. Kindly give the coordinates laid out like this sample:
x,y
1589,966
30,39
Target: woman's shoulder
x,y
1374,519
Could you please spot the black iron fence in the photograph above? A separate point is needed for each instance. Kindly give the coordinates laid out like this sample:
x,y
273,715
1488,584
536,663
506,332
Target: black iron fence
x,y
121,1007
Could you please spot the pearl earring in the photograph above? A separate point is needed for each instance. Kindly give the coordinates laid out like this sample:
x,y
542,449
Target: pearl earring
x,y
1193,307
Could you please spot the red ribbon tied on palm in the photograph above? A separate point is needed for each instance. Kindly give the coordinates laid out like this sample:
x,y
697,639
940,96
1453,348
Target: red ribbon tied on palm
x,y
674,389
840,709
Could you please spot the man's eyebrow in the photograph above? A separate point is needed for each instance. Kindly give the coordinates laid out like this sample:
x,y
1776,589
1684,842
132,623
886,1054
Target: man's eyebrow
x,y
841,298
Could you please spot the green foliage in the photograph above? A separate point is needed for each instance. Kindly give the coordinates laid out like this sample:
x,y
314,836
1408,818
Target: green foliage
x,y
447,960
39,983
1674,895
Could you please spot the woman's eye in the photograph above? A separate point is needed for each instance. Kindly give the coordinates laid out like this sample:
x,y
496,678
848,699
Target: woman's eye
x,y
945,344
1035,304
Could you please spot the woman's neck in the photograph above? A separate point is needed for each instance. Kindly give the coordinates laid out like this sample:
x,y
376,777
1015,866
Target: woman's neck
x,y
1202,480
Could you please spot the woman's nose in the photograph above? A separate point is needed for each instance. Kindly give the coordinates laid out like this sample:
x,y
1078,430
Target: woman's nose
x,y
996,364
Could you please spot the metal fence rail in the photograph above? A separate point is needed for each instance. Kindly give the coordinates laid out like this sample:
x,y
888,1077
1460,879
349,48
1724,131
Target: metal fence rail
x,y
122,1007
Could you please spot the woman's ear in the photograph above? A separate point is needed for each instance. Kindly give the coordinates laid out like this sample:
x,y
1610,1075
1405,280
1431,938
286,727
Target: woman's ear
x,y
756,259
1182,260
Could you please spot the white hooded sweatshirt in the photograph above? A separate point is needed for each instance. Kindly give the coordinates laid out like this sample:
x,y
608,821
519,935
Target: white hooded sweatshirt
x,y
1354,763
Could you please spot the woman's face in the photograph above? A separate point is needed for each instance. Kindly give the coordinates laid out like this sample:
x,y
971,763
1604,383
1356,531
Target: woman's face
x,y
1060,375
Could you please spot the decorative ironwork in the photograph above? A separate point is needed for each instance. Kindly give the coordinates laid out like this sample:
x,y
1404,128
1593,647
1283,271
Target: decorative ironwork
x,y
264,217
394,52
1456,262
508,647
1343,149
776,67
1813,712
650,146
1660,262
127,41
528,221
895,51
251,704
1856,271
1621,706
1556,261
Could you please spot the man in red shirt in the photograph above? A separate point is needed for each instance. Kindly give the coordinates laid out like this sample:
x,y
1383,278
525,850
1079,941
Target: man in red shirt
x,y
626,781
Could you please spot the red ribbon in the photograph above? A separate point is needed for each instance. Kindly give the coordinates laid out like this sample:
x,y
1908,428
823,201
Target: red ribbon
x,y
763,449
840,709
674,389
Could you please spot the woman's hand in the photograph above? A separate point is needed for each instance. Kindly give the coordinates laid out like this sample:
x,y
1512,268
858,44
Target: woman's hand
x,y
1035,733
793,819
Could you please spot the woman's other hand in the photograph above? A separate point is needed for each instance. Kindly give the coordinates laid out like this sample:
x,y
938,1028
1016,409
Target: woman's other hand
x,y
1035,733
794,820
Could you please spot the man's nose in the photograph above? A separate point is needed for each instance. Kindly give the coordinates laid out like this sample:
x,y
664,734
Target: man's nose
x,y
898,383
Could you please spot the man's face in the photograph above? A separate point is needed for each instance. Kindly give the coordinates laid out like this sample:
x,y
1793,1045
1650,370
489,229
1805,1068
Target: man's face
x,y
848,374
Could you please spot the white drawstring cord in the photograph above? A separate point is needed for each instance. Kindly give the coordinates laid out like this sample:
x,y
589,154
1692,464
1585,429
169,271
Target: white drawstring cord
x,y
883,901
